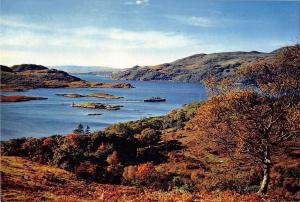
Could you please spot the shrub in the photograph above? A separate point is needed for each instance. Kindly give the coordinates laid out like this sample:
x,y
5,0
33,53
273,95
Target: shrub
x,y
197,175
180,119
293,172
143,174
48,141
113,159
85,170
120,130
72,139
181,183
129,174
149,136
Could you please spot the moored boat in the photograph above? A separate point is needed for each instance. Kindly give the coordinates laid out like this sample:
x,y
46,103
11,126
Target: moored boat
x,y
155,99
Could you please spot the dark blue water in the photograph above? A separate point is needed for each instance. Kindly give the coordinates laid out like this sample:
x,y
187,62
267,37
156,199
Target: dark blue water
x,y
39,118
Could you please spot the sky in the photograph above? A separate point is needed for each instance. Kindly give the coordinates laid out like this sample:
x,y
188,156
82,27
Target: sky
x,y
124,33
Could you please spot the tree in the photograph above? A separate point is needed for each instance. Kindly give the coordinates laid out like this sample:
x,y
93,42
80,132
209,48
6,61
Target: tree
x,y
113,159
180,117
121,130
79,129
149,136
87,130
254,124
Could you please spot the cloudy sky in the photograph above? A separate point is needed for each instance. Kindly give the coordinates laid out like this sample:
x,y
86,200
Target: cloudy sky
x,y
124,33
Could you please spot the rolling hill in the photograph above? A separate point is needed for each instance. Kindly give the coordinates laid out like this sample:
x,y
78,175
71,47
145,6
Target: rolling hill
x,y
194,68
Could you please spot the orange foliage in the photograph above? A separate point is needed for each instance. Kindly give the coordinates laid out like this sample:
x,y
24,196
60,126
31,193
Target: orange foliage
x,y
72,139
129,173
86,167
113,158
145,171
251,124
101,147
280,73
48,141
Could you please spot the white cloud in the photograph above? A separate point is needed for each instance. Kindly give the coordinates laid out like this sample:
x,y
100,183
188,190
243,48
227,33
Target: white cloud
x,y
137,2
17,23
23,43
198,21
91,37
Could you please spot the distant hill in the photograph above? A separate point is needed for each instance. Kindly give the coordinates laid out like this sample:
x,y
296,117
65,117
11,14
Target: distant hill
x,y
30,76
4,68
26,67
75,69
194,68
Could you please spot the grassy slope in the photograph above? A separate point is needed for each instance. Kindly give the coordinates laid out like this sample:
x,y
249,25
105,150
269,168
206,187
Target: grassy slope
x,y
23,180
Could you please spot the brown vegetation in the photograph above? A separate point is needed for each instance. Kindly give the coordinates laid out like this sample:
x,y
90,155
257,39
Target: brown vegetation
x,y
255,125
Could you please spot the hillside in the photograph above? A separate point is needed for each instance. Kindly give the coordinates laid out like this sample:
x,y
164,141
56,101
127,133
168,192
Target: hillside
x,y
30,76
194,68
182,163
24,180
132,164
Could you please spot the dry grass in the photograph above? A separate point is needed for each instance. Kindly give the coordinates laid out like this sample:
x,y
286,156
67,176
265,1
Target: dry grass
x,y
23,180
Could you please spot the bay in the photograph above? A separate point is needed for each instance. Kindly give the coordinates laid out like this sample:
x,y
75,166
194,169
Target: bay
x,y
40,118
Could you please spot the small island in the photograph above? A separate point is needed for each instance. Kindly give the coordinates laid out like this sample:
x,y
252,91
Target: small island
x,y
103,95
31,76
19,98
94,105
72,95
98,95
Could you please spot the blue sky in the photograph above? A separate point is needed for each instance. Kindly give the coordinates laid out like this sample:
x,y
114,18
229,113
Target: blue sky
x,y
124,33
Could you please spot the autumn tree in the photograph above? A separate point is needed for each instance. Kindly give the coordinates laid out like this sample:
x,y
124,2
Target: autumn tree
x,y
254,123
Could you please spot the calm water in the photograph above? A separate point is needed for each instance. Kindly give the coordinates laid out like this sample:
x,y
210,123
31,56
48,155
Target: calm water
x,y
39,118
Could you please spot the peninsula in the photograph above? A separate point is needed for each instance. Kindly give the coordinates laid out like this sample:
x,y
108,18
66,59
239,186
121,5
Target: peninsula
x,y
31,76
19,98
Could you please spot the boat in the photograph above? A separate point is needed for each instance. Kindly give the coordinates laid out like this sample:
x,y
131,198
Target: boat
x,y
155,99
